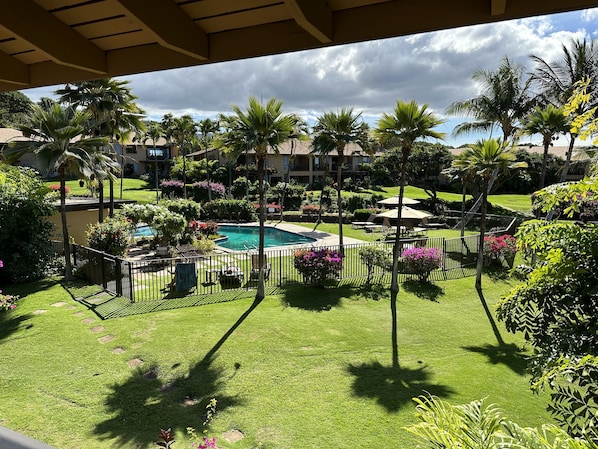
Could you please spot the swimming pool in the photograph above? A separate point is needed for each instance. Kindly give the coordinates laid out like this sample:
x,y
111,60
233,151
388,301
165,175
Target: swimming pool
x,y
144,231
247,237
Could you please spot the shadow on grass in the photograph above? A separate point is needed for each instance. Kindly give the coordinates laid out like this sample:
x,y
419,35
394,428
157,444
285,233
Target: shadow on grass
x,y
375,292
423,290
145,403
509,355
392,387
11,322
497,273
316,299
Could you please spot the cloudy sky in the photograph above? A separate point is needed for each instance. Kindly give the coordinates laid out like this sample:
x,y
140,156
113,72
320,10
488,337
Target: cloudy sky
x,y
433,68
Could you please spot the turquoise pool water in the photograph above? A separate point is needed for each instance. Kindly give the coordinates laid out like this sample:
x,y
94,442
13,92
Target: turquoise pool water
x,y
241,238
143,231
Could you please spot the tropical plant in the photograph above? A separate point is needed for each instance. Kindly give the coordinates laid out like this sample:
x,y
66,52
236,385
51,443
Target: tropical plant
x,y
318,265
479,426
555,309
57,137
169,227
375,256
486,158
112,236
207,129
262,127
182,130
557,79
549,122
7,302
333,132
25,232
421,261
153,133
499,249
408,123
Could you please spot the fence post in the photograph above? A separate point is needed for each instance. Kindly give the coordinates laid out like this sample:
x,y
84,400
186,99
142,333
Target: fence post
x,y
118,276
131,283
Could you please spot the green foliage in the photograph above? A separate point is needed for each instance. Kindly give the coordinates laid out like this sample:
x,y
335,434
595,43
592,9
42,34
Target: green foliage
x,y
231,210
14,108
169,227
421,261
25,233
479,426
112,236
375,256
204,245
187,208
567,197
555,309
318,265
293,194
191,167
240,185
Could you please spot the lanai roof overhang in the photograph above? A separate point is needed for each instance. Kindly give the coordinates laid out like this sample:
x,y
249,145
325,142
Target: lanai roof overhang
x,y
48,42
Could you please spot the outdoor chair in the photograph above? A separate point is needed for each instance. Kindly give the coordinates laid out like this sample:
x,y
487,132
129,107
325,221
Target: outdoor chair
x,y
185,277
255,267
231,275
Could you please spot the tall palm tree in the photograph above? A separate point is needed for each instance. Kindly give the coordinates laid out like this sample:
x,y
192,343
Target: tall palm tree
x,y
114,113
57,137
505,99
207,129
408,123
558,79
154,132
182,129
332,132
549,122
262,127
485,158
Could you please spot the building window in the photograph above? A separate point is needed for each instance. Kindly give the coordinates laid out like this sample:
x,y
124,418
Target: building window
x,y
153,153
285,162
131,149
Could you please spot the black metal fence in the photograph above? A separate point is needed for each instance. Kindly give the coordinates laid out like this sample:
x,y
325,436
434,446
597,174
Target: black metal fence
x,y
152,278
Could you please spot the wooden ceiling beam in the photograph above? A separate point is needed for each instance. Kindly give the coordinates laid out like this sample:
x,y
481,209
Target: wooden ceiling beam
x,y
13,71
35,25
170,26
498,7
314,16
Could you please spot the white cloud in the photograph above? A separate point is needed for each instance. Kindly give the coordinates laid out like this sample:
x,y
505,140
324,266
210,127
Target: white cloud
x,y
432,68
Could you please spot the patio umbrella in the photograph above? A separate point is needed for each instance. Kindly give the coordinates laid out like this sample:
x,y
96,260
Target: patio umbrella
x,y
408,213
394,201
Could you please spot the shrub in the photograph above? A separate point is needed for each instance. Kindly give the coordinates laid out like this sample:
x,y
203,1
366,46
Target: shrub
x,y
169,227
187,208
113,236
318,266
310,209
364,214
375,256
231,210
25,232
208,228
200,190
204,245
56,188
7,302
421,261
499,249
172,188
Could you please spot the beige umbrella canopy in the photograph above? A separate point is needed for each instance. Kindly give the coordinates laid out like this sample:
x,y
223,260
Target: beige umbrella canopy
x,y
394,201
408,213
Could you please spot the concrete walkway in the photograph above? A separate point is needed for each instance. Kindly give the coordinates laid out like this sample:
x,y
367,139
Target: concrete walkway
x,y
9,439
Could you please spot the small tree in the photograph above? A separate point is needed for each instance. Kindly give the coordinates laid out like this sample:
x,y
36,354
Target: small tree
x,y
375,256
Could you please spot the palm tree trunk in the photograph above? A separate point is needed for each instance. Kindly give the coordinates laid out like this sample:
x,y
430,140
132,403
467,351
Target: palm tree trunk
x,y
111,193
480,261
463,197
394,283
208,176
568,158
319,220
101,201
184,175
156,171
339,201
261,288
68,267
544,163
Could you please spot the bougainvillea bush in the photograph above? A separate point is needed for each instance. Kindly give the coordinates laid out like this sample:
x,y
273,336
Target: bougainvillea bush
x,y
499,249
318,265
7,302
421,261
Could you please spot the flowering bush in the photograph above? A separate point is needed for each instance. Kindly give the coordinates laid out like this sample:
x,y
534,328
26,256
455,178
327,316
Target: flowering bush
x,y
375,256
200,190
172,188
421,261
317,266
112,236
56,188
310,209
499,248
204,228
7,302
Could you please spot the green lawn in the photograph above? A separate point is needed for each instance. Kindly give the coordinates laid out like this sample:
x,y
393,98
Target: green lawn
x,y
309,368
133,189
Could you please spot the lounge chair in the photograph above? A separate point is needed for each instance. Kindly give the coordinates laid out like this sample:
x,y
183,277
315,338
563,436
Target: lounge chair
x,y
185,277
255,267
231,275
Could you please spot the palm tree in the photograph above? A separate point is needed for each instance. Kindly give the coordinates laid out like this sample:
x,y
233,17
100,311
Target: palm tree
x,y
153,133
504,101
207,129
262,127
485,158
332,132
182,129
558,80
408,123
113,111
53,135
548,121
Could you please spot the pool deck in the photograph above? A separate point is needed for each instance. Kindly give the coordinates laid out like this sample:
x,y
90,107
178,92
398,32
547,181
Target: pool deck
x,y
322,238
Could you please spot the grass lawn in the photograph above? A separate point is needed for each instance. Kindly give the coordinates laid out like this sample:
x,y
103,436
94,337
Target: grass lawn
x,y
309,368
133,189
